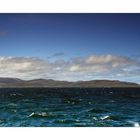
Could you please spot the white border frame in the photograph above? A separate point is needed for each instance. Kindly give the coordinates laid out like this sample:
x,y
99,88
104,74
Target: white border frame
x,y
71,6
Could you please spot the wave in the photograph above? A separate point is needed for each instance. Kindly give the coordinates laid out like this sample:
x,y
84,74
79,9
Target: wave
x,y
135,124
105,117
12,104
45,115
97,110
112,117
66,121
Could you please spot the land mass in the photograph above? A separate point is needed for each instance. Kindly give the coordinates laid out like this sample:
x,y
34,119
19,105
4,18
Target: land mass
x,y
49,83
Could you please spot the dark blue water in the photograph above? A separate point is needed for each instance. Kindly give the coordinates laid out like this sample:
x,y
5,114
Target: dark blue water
x,y
85,107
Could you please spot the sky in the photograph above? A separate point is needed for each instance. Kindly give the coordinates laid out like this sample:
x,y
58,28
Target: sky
x,y
70,46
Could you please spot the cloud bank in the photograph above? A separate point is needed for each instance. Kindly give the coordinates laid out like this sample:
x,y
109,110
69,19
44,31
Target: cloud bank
x,y
80,68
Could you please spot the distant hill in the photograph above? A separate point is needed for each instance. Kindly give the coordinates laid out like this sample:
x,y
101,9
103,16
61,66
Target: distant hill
x,y
15,82
10,80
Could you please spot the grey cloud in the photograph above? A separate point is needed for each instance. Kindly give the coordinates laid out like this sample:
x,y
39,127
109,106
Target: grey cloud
x,y
58,54
100,64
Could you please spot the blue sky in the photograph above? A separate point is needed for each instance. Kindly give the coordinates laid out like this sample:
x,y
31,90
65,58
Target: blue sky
x,y
64,37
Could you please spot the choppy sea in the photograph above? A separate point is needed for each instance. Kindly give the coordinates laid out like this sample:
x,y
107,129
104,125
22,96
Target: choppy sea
x,y
70,107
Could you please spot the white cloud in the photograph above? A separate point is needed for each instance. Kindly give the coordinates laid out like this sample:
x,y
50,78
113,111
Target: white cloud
x,y
88,68
74,68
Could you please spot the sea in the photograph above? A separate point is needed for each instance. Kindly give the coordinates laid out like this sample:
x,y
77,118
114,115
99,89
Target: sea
x,y
70,107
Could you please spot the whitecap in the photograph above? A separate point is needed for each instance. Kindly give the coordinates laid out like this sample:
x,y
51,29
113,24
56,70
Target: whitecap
x,y
13,94
43,114
136,124
104,117
14,111
12,104
94,118
32,114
